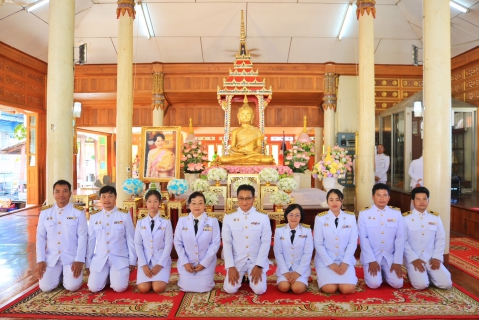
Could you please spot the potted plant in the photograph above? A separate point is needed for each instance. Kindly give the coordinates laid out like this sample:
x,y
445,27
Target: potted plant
x,y
217,174
193,159
176,187
287,185
211,200
280,199
269,175
333,165
200,185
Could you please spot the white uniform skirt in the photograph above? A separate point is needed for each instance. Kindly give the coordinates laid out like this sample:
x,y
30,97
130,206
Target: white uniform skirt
x,y
163,275
196,282
328,276
301,278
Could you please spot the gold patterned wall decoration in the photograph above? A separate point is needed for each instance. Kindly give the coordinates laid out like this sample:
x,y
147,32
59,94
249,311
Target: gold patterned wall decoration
x,y
386,82
472,84
471,96
457,76
471,72
390,91
459,97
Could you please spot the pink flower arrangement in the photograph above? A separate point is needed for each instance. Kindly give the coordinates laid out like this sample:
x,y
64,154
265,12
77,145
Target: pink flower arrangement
x,y
194,157
297,158
282,170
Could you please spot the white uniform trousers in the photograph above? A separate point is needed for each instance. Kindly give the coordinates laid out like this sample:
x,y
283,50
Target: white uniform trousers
x,y
51,277
375,282
118,278
441,278
258,288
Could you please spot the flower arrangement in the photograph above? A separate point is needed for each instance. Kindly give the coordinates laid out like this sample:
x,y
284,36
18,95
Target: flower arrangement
x,y
306,146
334,164
297,158
177,186
282,170
217,174
211,198
194,157
132,186
269,175
200,185
280,198
287,184
240,182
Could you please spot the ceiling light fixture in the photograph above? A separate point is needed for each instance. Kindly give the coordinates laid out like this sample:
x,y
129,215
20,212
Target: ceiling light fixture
x,y
143,19
346,17
458,6
36,5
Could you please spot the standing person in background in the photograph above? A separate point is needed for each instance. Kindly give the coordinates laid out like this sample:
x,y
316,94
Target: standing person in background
x,y
61,241
111,249
153,244
197,240
246,242
293,249
381,165
335,241
381,237
416,172
425,241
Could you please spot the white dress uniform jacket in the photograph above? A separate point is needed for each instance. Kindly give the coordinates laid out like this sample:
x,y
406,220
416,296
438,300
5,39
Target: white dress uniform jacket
x,y
381,234
246,238
61,235
416,172
425,239
110,236
296,256
199,248
154,247
382,167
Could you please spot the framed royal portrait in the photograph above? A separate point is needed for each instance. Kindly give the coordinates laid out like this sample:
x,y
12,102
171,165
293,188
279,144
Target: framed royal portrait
x,y
160,153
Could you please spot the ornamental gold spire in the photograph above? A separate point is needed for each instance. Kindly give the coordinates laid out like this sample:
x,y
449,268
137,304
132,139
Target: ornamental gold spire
x,y
242,48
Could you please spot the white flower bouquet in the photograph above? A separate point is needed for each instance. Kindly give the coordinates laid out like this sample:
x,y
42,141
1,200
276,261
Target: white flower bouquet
x,y
269,175
211,198
280,198
217,174
133,186
177,186
287,184
240,182
200,185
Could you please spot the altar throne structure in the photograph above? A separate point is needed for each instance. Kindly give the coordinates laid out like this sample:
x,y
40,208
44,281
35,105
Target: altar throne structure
x,y
243,85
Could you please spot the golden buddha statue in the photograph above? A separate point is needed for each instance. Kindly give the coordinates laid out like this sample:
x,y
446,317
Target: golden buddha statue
x,y
245,147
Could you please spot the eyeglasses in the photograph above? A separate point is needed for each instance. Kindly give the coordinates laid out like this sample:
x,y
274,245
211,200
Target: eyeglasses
x,y
245,199
294,216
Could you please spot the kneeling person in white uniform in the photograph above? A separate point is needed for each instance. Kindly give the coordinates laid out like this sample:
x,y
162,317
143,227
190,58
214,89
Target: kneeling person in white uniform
x,y
61,241
293,249
246,242
153,244
197,240
425,242
111,250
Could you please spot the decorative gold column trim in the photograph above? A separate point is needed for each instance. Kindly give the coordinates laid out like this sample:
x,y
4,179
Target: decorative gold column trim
x,y
367,6
329,98
158,98
125,6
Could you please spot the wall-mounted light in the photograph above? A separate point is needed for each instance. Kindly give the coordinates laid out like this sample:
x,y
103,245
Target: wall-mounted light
x,y
345,21
458,6
36,5
417,109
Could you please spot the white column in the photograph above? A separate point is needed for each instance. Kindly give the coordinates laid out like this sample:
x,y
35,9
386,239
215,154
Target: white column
x,y
60,94
124,97
158,115
329,107
318,147
365,156
437,103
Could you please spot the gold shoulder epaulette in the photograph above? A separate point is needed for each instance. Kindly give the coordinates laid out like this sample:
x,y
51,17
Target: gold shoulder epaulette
x,y
230,211
94,211
281,225
322,213
141,216
262,211
79,208
433,212
395,208
405,214
349,212
211,215
306,225
47,207
183,214
123,210
365,208
164,216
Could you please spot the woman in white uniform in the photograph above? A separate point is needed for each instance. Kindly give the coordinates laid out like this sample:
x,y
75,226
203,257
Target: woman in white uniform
x,y
293,249
197,240
153,243
335,241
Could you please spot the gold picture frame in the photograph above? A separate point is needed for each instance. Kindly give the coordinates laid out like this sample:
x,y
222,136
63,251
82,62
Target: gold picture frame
x,y
163,165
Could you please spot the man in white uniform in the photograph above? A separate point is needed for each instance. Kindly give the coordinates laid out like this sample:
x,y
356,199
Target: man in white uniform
x,y
61,241
111,248
381,237
416,172
425,242
246,242
381,165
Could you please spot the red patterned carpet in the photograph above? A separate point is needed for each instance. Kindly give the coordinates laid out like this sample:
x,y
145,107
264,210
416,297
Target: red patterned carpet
x,y
385,302
464,255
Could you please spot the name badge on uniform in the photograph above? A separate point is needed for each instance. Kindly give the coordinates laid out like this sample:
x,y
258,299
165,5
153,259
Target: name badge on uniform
x,y
303,236
254,223
236,219
118,222
326,224
162,228
282,238
346,226
432,223
184,228
391,220
144,227
49,218
207,228
71,218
